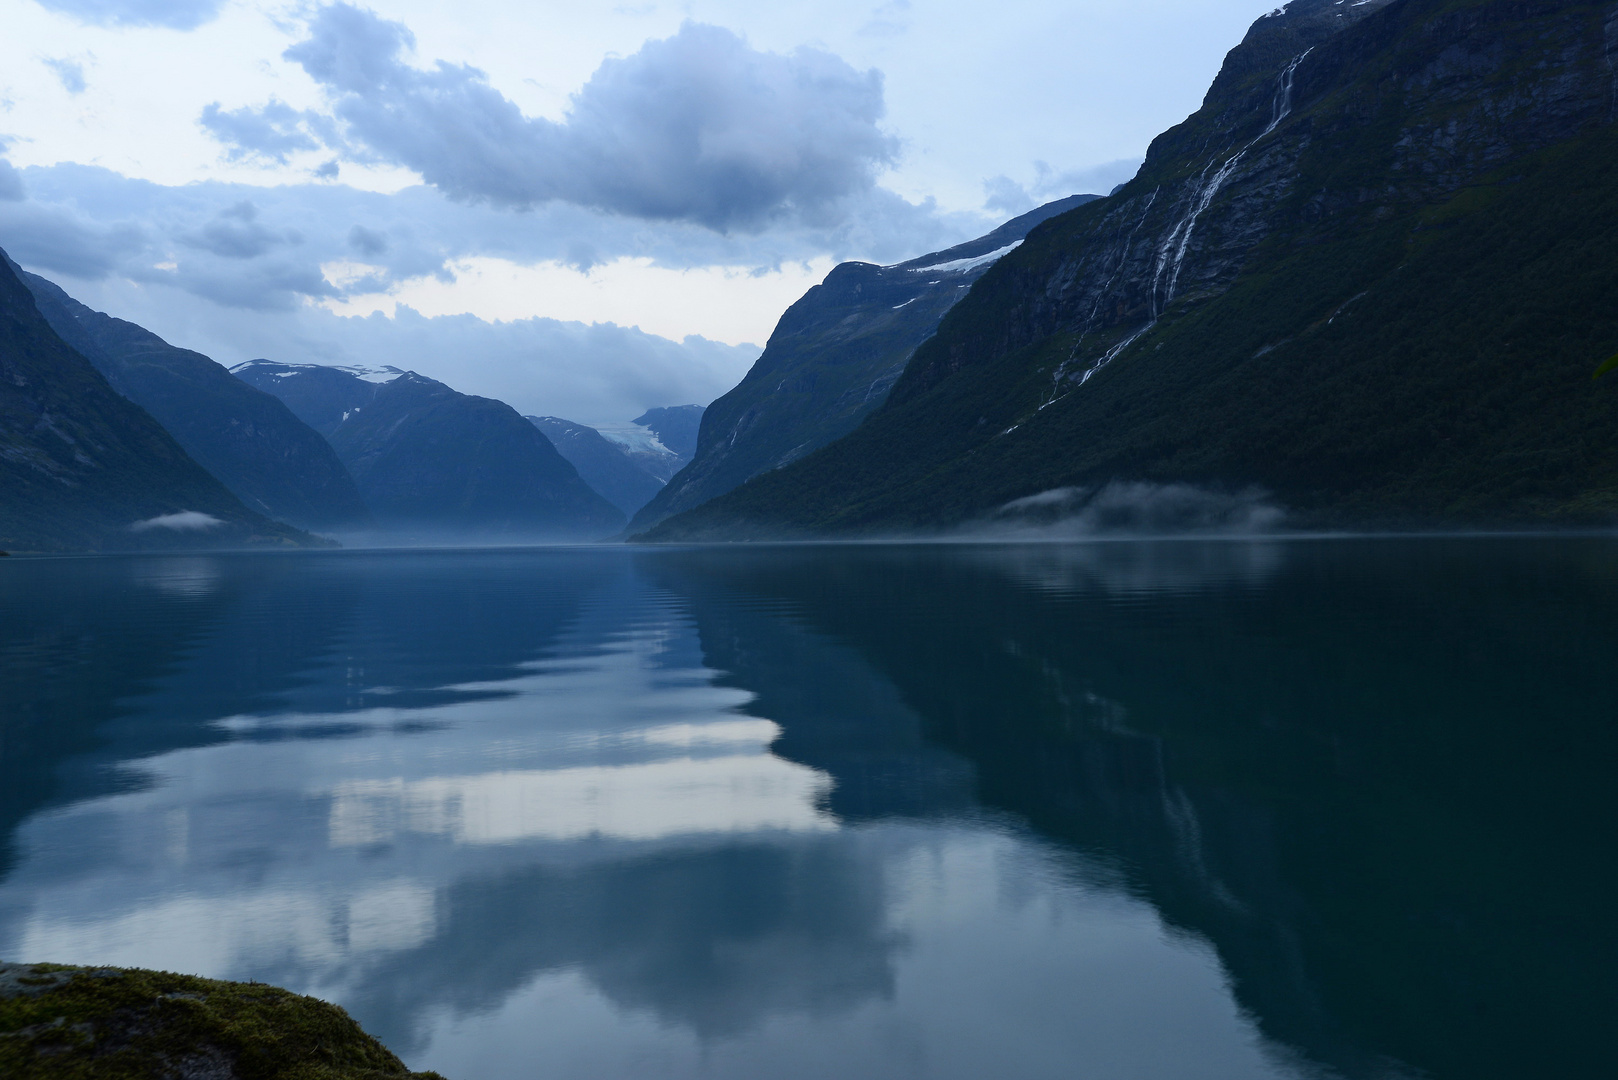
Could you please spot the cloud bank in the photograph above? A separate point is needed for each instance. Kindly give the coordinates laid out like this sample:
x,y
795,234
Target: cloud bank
x,y
174,14
698,127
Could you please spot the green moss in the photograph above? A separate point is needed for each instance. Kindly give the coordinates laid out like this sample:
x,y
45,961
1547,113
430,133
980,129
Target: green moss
x,y
64,1023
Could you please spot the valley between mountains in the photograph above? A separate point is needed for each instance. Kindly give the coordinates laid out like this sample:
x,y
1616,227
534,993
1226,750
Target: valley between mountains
x,y
1364,286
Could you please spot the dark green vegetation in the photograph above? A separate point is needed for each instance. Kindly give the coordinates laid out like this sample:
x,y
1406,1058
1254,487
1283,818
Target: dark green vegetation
x,y
65,1023
249,440
1371,286
80,465
438,463
603,464
831,361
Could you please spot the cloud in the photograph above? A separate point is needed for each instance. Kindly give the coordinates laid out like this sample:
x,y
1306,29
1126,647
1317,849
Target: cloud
x,y
271,132
11,189
367,242
1007,196
58,239
174,14
697,127
594,373
184,521
268,247
235,233
69,72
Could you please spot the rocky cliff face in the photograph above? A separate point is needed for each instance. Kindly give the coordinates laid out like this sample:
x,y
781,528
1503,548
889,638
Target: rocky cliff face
x,y
249,440
1366,275
436,464
832,360
84,469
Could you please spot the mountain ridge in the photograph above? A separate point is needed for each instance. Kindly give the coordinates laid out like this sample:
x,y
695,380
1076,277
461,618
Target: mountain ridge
x,y
249,440
1366,277
832,359
436,463
82,468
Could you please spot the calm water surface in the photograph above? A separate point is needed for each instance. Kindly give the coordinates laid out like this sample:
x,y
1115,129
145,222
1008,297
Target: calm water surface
x,y
1117,810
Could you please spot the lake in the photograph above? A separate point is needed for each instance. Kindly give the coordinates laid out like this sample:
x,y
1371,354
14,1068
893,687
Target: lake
x,y
1147,810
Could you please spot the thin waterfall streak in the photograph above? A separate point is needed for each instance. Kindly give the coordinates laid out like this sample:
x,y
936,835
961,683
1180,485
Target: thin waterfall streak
x,y
1280,109
1128,243
1179,239
1282,106
1204,200
1113,353
1060,373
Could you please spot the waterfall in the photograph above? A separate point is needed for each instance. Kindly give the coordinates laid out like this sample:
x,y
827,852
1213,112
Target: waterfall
x,y
1280,109
1178,241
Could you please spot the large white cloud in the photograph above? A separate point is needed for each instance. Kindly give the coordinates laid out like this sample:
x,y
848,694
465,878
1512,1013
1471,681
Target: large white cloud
x,y
696,127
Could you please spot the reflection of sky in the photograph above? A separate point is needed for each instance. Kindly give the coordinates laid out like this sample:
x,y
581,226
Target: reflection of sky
x,y
597,867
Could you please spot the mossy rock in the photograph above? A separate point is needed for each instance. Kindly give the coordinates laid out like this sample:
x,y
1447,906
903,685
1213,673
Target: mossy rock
x,y
64,1023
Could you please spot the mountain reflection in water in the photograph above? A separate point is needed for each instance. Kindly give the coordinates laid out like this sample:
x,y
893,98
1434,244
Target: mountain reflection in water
x,y
1171,809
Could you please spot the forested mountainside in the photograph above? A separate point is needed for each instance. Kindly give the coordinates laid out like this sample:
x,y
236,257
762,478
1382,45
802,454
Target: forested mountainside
x,y
603,464
249,440
832,359
438,463
1372,276
82,468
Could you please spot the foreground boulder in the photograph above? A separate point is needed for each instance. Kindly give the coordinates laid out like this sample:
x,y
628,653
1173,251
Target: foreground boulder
x,y
120,1024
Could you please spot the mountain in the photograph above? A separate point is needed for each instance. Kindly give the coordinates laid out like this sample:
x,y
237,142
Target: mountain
x,y
1371,276
832,359
83,468
435,462
249,440
603,464
676,427
642,446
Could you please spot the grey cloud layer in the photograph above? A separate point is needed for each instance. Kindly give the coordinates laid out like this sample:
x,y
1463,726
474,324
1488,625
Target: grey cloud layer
x,y
697,127
592,373
175,14
264,247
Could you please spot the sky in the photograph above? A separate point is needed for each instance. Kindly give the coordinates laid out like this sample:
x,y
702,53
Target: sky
x,y
586,210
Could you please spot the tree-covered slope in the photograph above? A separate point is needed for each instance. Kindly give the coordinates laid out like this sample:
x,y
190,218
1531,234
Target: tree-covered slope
x,y
1372,275
82,468
249,440
831,361
437,463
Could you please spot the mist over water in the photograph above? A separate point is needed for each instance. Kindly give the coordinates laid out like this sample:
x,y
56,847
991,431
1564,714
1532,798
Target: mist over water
x,y
1173,808
1122,508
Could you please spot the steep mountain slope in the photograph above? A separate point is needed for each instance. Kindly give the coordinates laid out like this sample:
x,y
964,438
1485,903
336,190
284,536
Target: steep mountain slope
x,y
437,463
247,439
602,463
82,468
832,359
1371,275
